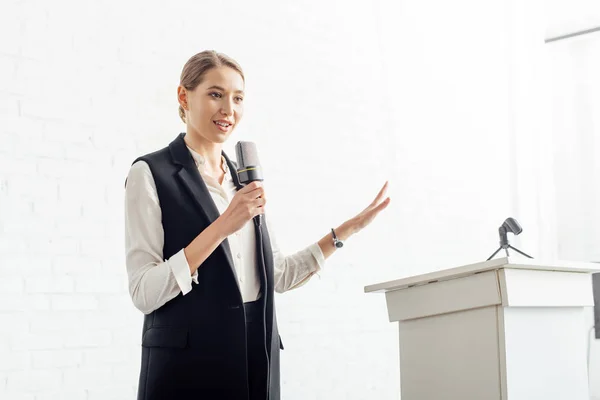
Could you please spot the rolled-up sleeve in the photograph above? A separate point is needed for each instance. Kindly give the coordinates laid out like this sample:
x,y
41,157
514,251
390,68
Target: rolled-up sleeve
x,y
153,281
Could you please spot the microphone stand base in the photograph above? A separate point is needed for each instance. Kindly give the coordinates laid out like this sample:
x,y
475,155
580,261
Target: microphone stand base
x,y
506,247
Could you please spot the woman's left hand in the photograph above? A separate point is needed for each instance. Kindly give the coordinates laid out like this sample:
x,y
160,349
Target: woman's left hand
x,y
368,214
357,223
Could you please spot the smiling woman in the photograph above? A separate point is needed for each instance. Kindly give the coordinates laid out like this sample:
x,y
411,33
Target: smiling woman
x,y
199,269
194,70
214,107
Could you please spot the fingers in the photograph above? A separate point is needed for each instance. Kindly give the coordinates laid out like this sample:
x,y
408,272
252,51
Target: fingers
x,y
383,204
372,211
251,191
252,186
369,215
257,191
252,198
260,202
258,206
380,195
379,207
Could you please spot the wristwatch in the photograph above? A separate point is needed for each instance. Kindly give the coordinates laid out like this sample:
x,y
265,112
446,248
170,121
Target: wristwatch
x,y
336,242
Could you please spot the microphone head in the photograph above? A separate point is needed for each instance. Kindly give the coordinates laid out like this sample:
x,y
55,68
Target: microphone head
x,y
246,153
248,165
511,225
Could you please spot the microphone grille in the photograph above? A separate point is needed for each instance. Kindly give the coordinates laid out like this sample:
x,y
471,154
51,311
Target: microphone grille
x,y
246,154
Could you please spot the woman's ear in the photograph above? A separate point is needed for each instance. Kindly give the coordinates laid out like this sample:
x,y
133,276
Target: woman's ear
x,y
182,97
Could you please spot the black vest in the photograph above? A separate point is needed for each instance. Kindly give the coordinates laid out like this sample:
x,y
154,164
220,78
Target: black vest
x,y
194,346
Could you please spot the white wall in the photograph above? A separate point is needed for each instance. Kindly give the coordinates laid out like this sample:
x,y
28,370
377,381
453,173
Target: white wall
x,y
564,17
341,96
576,132
574,106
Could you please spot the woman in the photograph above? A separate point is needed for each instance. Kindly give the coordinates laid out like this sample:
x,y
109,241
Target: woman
x,y
199,269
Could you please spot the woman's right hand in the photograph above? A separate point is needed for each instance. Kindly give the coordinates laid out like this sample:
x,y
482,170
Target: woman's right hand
x,y
247,203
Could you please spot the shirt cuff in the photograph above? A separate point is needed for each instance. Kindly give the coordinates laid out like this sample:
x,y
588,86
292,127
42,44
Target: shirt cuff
x,y
317,253
181,271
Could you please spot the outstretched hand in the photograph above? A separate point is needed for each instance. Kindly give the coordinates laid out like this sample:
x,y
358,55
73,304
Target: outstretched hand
x,y
357,223
368,214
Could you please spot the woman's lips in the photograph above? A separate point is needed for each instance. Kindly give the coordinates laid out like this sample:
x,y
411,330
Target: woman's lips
x,y
221,127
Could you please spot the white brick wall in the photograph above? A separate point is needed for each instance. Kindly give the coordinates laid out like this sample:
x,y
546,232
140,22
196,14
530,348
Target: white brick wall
x,y
340,98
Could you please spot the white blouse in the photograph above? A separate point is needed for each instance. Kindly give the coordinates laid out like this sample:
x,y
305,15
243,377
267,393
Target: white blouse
x,y
153,281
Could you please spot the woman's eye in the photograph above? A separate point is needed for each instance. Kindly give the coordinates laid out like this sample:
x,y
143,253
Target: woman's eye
x,y
239,98
215,94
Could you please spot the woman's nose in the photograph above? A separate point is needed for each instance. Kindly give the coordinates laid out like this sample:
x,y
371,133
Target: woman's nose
x,y
227,109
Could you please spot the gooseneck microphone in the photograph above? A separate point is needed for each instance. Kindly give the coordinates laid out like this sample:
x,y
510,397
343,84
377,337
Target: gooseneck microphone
x,y
249,169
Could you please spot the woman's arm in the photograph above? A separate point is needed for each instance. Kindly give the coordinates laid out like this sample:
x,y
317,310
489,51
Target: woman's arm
x,y
294,271
356,224
153,281
343,232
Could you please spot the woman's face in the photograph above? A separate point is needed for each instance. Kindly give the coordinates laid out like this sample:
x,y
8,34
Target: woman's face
x,y
216,106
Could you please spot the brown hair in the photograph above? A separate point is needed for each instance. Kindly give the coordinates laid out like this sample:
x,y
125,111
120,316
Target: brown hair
x,y
197,66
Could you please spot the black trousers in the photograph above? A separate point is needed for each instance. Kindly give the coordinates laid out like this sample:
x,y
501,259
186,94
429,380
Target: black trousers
x,y
258,364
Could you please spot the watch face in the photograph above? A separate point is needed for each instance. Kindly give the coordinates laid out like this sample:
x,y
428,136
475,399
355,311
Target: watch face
x,y
339,244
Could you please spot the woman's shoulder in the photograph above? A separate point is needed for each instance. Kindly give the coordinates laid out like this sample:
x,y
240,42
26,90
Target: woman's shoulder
x,y
140,169
155,156
153,165
139,172
166,155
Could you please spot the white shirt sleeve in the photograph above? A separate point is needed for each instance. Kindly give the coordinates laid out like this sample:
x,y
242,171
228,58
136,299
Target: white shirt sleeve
x,y
294,270
153,281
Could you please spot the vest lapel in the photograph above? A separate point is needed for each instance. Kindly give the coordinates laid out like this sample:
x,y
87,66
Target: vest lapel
x,y
191,179
233,169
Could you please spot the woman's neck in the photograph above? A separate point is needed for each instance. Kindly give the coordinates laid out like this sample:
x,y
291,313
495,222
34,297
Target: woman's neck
x,y
211,152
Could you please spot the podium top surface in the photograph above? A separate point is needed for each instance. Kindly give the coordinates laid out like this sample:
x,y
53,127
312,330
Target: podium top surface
x,y
465,270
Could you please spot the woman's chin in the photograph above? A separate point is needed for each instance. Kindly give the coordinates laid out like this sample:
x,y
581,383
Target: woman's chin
x,y
221,137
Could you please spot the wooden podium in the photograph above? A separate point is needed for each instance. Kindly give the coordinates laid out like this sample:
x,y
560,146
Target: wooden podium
x,y
504,329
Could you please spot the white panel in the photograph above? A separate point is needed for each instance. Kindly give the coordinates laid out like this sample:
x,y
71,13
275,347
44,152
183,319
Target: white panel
x,y
473,291
545,288
451,357
545,354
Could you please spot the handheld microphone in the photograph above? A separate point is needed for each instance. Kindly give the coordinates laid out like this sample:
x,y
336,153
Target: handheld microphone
x,y
249,169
